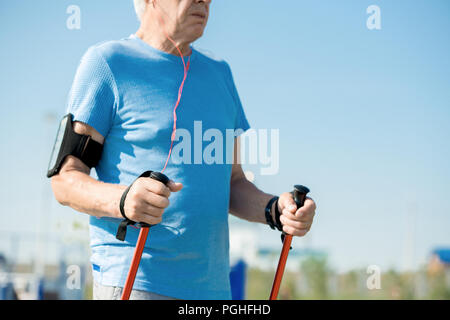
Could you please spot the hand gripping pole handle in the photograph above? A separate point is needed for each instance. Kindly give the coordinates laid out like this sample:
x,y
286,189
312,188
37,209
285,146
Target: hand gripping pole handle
x,y
140,245
299,194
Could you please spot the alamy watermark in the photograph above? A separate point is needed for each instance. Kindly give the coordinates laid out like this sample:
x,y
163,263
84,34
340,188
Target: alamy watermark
x,y
374,280
213,146
374,20
74,277
73,22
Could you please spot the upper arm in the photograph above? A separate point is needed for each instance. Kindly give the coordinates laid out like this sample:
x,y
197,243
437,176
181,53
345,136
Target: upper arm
x,y
73,163
94,96
241,121
62,181
236,170
92,101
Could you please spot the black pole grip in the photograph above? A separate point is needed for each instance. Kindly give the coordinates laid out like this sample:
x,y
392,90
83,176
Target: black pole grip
x,y
300,193
158,176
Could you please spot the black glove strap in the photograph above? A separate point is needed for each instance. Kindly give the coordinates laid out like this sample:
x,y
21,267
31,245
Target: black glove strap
x,y
122,230
268,209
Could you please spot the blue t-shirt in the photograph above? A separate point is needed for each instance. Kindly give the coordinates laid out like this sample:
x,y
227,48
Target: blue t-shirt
x,y
127,90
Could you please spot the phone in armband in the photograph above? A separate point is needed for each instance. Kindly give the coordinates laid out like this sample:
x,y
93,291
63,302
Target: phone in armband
x,y
68,142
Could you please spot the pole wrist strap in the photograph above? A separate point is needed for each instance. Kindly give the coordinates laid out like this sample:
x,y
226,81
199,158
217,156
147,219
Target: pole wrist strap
x,y
122,230
268,209
278,223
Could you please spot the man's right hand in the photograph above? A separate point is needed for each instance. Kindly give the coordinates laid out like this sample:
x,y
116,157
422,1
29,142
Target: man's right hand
x,y
147,199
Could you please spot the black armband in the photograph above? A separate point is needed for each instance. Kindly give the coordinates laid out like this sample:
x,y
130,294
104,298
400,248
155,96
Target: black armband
x,y
68,142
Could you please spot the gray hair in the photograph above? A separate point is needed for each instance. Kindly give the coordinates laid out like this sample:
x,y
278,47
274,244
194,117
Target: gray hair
x,y
139,6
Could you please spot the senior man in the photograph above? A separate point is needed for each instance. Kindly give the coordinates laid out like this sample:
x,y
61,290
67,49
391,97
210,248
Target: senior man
x,y
123,97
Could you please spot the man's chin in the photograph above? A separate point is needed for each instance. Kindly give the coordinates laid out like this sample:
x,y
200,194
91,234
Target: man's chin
x,y
196,32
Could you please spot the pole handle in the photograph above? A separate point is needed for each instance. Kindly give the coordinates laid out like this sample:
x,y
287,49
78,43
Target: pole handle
x,y
143,234
158,176
299,194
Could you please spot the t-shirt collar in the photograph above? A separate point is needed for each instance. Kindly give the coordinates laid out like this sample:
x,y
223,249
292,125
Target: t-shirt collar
x,y
164,54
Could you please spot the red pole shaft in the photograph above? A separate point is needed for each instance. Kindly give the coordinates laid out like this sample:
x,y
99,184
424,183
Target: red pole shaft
x,y
281,265
135,263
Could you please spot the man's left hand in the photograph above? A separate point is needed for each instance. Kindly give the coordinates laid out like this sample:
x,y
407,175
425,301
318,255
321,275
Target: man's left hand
x,y
296,222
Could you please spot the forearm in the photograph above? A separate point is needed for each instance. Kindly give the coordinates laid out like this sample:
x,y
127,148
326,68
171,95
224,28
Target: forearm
x,y
248,202
85,194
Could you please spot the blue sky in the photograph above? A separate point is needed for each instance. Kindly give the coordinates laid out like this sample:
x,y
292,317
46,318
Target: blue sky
x,y
364,116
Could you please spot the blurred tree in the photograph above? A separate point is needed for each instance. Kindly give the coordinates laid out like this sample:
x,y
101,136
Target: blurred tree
x,y
316,273
288,287
313,282
259,284
348,285
438,286
398,285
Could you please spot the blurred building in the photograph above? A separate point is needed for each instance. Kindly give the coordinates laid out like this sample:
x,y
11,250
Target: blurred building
x,y
440,261
249,243
44,269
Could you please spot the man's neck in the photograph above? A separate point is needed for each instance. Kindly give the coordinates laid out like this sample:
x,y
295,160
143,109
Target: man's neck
x,y
160,41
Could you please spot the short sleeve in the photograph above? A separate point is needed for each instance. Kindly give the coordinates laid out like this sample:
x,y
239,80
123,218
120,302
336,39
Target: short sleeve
x,y
93,96
241,121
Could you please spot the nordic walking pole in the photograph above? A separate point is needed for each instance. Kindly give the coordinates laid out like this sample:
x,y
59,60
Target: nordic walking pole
x,y
300,193
140,246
